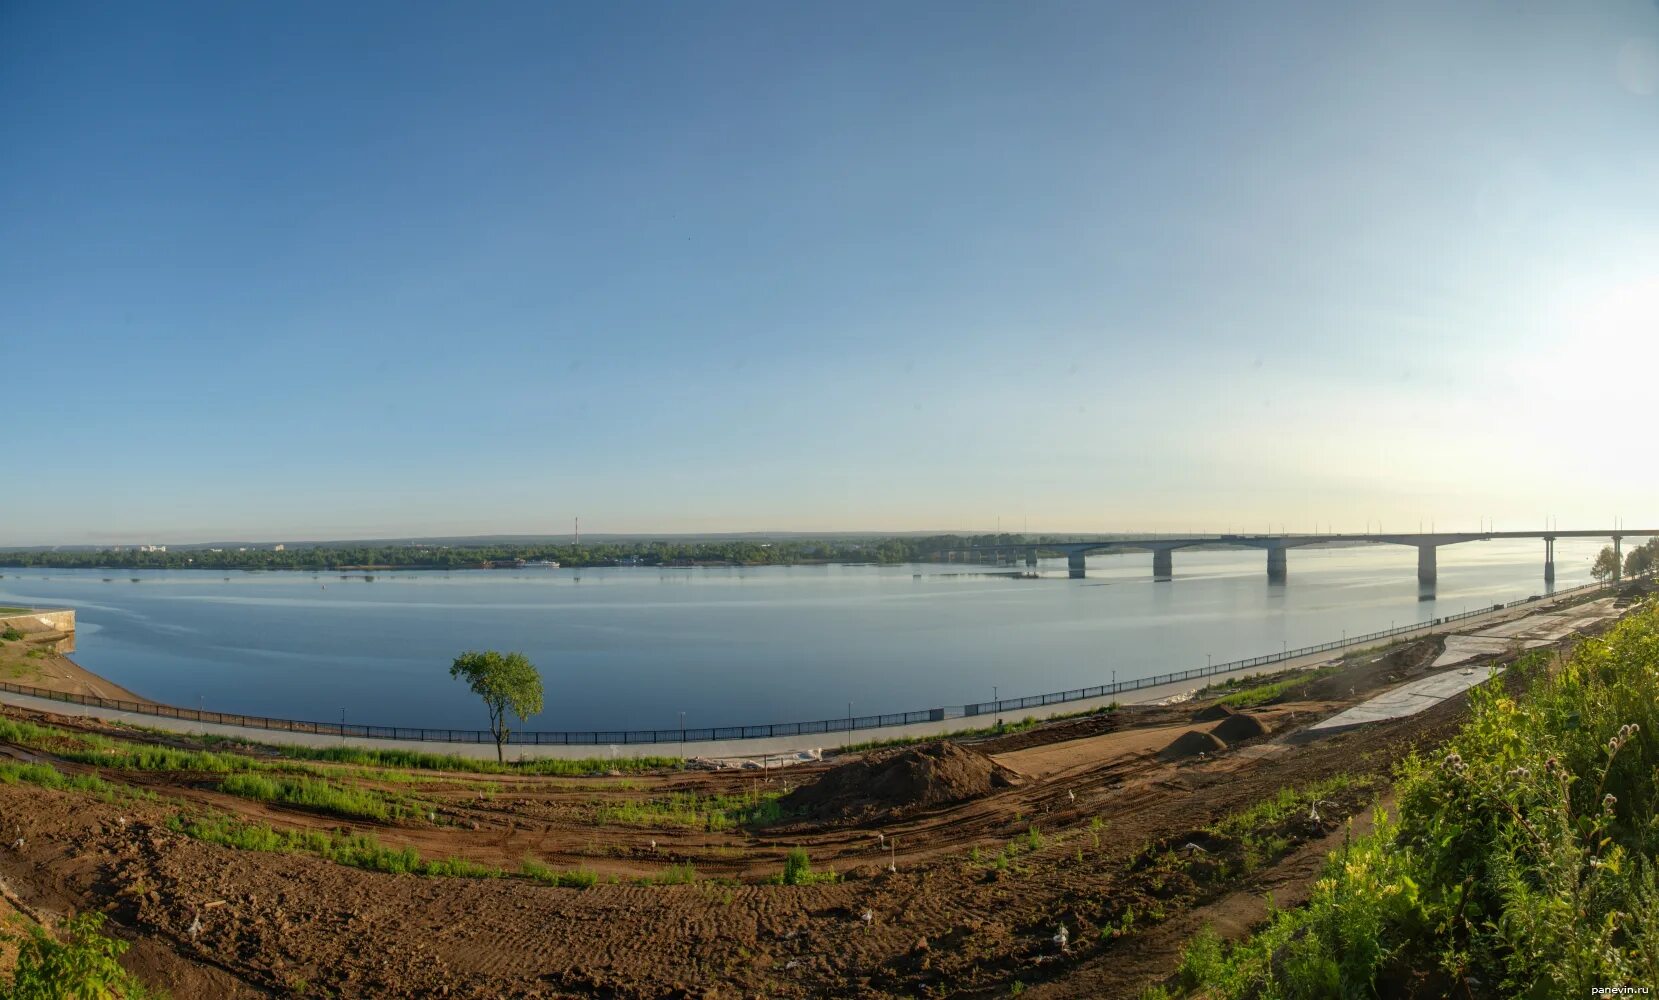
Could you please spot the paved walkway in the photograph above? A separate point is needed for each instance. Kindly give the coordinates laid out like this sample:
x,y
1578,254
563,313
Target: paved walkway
x,y
1407,699
797,747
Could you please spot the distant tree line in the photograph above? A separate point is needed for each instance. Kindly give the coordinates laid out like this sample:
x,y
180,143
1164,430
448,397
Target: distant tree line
x,y
743,552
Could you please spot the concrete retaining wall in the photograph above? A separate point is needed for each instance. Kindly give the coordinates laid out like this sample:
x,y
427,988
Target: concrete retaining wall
x,y
40,621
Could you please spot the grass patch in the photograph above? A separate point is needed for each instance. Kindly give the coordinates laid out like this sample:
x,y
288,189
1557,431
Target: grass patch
x,y
1252,690
322,796
681,874
102,751
1291,802
46,776
421,761
690,811
1029,722
359,850
418,760
571,878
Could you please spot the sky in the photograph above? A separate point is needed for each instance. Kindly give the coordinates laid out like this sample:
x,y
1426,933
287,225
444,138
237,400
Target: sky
x,y
312,270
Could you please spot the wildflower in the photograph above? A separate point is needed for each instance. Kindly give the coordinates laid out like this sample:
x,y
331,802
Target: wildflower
x,y
1062,937
1454,763
1608,801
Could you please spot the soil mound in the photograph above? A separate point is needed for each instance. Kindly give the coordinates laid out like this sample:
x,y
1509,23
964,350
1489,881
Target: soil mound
x,y
1212,713
1239,727
1190,744
1366,674
890,781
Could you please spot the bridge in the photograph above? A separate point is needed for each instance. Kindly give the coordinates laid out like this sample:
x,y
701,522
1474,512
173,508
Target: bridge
x,y
1276,546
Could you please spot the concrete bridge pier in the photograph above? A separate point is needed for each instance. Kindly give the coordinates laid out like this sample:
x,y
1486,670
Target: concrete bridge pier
x,y
1276,564
1549,559
1618,559
1074,563
1427,567
1031,557
1163,564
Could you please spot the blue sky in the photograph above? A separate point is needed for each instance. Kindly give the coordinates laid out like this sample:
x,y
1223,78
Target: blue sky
x,y
342,270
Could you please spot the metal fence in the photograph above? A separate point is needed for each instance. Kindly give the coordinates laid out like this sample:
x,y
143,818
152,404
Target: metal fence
x,y
824,726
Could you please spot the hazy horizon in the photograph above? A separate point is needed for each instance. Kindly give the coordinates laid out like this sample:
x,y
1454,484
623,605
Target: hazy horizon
x,y
414,269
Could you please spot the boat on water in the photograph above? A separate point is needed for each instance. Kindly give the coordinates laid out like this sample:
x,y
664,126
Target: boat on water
x,y
542,564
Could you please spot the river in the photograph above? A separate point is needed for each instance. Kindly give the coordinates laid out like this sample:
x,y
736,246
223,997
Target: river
x,y
634,647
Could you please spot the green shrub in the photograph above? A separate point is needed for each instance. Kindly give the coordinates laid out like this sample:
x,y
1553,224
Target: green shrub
x,y
797,870
85,965
795,865
11,634
1201,960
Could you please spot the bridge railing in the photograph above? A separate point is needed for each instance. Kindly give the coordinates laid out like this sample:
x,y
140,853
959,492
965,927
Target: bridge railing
x,y
767,731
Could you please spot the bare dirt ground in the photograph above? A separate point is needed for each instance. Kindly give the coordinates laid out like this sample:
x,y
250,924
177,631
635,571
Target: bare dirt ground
x,y
959,892
35,660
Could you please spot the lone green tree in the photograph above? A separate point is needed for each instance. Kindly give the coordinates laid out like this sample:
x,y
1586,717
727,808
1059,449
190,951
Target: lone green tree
x,y
507,682
1606,565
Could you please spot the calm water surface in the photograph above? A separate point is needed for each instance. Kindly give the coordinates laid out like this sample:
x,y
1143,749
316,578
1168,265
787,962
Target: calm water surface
x,y
635,647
